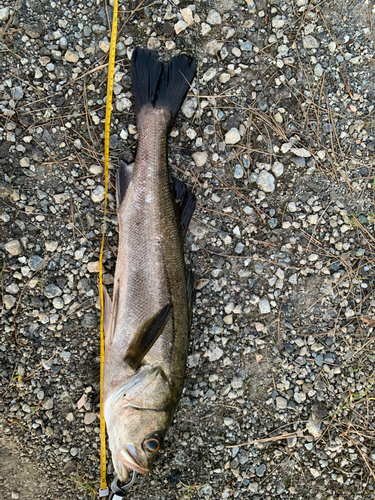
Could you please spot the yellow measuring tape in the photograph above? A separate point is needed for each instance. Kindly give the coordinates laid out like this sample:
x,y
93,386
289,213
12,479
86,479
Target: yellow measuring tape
x,y
111,69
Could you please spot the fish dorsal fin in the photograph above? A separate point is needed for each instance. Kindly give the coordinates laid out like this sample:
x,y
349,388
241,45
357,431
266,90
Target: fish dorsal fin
x,y
124,176
146,336
184,201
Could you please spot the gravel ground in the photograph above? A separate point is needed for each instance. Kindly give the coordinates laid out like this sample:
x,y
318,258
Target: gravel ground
x,y
277,137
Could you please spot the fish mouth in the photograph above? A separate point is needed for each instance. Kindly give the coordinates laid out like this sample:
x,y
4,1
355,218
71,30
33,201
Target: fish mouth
x,y
127,461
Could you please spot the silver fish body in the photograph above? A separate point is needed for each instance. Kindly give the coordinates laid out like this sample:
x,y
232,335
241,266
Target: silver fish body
x,y
147,322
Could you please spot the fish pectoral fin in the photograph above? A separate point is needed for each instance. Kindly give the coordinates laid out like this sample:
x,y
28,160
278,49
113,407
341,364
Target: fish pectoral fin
x,y
184,202
146,336
107,311
124,176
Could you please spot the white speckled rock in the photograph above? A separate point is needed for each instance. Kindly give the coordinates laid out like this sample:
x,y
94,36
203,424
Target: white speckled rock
x,y
310,42
180,26
58,303
266,181
4,14
104,45
278,21
213,17
287,146
13,247
224,77
187,15
278,168
215,354
98,194
301,152
96,169
153,43
200,158
170,45
71,56
209,74
318,70
238,171
332,47
205,28
123,103
232,136
93,267
264,306
188,108
89,418
24,162
9,301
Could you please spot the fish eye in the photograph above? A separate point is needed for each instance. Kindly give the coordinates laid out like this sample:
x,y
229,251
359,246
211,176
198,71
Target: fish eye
x,y
151,445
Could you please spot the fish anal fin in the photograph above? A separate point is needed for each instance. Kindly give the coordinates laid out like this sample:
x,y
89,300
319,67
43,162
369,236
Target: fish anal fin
x,y
184,201
146,336
124,176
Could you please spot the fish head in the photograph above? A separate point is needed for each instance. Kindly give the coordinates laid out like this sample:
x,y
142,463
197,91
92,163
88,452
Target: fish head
x,y
137,416
139,441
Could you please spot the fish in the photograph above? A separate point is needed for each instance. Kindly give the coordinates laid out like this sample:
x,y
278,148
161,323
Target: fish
x,y
147,321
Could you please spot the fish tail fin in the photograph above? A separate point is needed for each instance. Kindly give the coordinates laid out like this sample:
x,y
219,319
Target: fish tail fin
x,y
158,84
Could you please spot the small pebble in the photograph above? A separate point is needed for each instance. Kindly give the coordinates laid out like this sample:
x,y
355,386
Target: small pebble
x,y
278,168
209,74
71,56
232,136
247,46
266,181
58,303
318,70
301,152
205,29
4,16
98,194
213,17
187,16
188,108
238,172
310,42
261,470
47,403
89,418
13,247
264,306
36,262
9,301
200,158
180,26
239,248
281,403
51,291
51,246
